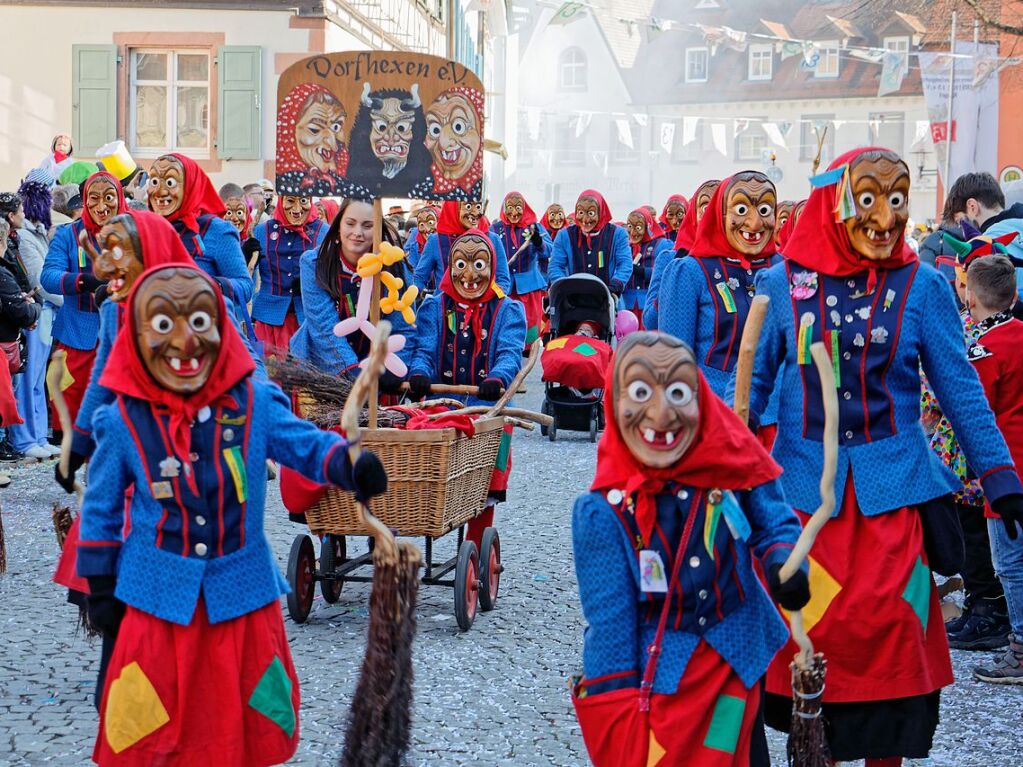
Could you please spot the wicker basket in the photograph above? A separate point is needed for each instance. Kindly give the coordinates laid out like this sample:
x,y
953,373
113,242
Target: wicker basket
x,y
437,480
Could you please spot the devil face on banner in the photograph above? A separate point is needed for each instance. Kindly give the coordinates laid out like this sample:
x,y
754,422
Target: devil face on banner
x,y
417,131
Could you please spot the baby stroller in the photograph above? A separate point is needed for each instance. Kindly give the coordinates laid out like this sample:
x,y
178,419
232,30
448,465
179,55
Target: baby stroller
x,y
573,363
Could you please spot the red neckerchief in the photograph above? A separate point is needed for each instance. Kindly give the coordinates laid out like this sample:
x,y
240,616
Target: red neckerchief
x,y
822,244
724,455
300,229
711,240
91,226
528,215
652,231
126,374
475,308
199,195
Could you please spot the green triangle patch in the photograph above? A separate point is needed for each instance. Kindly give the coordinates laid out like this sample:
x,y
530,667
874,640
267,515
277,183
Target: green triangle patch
x,y
272,697
585,350
918,591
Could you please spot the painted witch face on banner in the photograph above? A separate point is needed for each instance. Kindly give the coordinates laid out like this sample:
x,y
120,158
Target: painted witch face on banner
x,y
417,131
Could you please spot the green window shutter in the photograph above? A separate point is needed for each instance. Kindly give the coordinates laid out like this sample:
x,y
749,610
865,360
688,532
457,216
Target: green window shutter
x,y
93,97
238,125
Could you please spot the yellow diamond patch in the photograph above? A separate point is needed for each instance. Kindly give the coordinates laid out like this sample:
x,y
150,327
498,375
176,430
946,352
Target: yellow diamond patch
x,y
823,590
557,343
655,751
133,710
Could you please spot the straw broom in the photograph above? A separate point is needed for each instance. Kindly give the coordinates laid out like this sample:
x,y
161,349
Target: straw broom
x,y
379,721
807,743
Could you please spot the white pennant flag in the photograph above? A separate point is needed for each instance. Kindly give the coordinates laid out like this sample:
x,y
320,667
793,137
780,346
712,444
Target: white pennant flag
x,y
668,136
717,134
582,122
641,120
689,130
774,134
923,131
624,132
533,122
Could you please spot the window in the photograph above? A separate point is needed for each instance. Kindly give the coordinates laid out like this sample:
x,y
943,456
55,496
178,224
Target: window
x,y
169,94
569,150
888,130
693,152
827,60
697,61
572,70
899,44
621,153
750,141
761,59
808,138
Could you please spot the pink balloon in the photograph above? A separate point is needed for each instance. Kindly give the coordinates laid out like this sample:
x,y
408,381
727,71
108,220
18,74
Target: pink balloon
x,y
347,326
625,323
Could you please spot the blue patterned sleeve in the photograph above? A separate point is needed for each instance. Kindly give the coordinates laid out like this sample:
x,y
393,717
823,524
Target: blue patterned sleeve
x,y
110,474
316,454
959,390
561,257
621,257
224,247
608,592
775,527
428,264
510,339
422,358
651,309
56,275
96,395
679,297
320,318
502,275
544,253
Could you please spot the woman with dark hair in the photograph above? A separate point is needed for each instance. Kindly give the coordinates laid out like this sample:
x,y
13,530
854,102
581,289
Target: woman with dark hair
x,y
330,289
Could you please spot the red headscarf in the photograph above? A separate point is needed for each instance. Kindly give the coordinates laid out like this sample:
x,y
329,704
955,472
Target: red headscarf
x,y
282,218
199,195
785,233
442,185
288,114
603,211
711,240
125,372
91,226
330,208
687,229
663,220
449,222
528,216
160,244
724,455
474,308
822,244
652,231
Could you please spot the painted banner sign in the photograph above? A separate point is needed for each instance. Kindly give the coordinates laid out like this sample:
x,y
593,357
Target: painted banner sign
x,y
373,124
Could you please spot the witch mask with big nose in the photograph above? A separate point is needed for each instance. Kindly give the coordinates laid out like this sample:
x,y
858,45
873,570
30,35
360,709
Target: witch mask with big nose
x,y
471,266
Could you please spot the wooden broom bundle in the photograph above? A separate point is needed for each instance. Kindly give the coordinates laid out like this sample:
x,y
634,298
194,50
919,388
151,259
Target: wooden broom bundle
x,y
295,375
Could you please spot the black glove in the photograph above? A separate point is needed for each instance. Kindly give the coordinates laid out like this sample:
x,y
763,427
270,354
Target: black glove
x,y
390,383
536,238
490,390
75,462
368,476
418,386
794,593
1010,509
104,609
87,282
638,272
296,287
101,294
617,288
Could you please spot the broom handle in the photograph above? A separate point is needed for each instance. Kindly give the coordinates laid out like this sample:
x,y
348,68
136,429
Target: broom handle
x,y
470,391
825,511
54,374
386,549
517,253
747,354
534,355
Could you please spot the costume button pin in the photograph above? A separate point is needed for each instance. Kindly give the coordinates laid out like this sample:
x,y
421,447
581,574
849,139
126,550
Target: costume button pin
x,y
694,561
614,497
846,356
200,549
702,621
848,318
228,435
683,494
831,300
703,594
848,435
846,395
851,283
204,414
200,521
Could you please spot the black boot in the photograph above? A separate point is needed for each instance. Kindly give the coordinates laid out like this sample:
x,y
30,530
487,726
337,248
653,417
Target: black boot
x,y
7,452
986,628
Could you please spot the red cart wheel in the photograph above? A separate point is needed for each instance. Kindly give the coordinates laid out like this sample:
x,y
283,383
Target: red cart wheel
x,y
490,569
467,585
301,578
332,555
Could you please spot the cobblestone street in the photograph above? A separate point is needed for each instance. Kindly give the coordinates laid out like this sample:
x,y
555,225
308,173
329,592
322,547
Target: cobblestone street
x,y
496,695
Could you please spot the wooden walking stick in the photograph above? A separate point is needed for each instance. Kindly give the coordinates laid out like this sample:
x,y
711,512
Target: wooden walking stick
x,y
379,721
747,354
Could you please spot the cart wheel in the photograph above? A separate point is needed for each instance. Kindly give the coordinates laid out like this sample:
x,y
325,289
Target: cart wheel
x,y
490,569
467,585
333,553
301,577
546,411
552,430
593,428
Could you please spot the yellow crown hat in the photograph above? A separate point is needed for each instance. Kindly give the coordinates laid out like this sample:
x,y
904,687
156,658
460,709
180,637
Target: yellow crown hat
x,y
117,160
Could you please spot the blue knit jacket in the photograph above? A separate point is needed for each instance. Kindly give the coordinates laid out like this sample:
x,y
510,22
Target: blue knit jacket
x,y
636,289
433,263
651,306
411,248
525,272
217,250
280,253
618,261
723,602
315,341
181,546
504,344
883,338
97,395
77,322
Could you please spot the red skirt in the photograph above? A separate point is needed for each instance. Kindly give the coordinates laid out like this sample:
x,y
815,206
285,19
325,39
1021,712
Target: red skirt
x,y
532,302
9,415
276,338
79,367
873,611
708,722
202,695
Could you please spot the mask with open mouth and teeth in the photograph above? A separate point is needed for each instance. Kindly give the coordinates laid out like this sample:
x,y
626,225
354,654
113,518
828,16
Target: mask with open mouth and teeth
x,y
166,185
296,209
101,200
750,202
673,214
177,316
469,213
656,402
471,266
880,187
426,220
555,217
514,206
120,260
